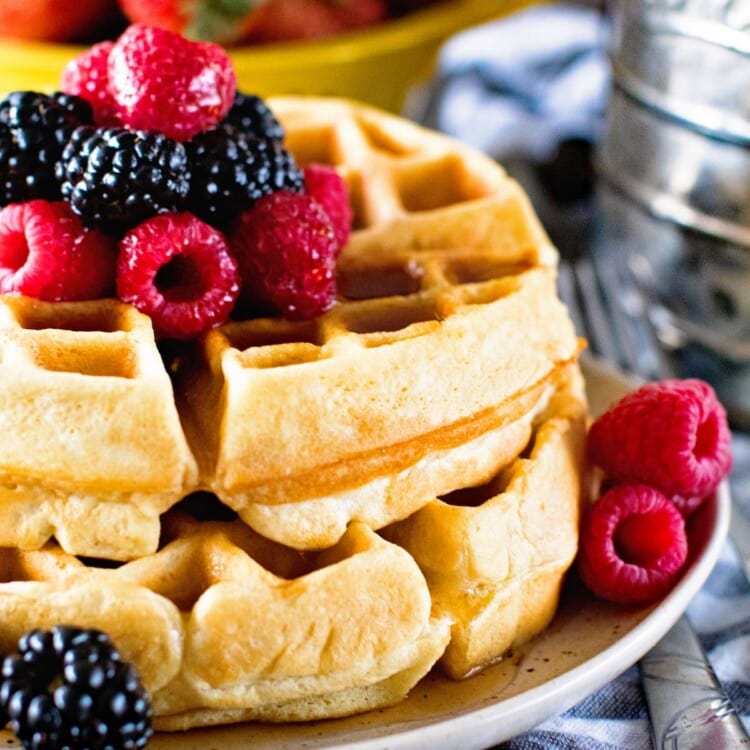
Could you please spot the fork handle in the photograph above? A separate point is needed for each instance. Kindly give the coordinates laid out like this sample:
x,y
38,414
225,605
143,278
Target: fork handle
x,y
689,709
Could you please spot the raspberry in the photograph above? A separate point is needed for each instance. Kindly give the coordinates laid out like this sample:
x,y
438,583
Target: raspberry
x,y
178,270
161,81
633,545
45,252
328,188
286,250
70,688
672,435
87,76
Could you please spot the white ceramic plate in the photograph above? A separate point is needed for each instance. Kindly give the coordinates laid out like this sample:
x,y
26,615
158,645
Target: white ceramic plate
x,y
588,644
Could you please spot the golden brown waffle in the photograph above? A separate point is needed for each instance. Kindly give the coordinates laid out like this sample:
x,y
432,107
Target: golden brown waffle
x,y
495,556
92,450
224,625
439,398
446,339
448,330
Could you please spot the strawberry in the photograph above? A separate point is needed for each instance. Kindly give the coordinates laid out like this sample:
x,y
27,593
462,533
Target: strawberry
x,y
259,21
285,20
201,20
355,14
53,20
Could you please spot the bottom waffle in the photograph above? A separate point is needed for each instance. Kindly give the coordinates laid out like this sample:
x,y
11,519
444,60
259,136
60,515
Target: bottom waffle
x,y
225,625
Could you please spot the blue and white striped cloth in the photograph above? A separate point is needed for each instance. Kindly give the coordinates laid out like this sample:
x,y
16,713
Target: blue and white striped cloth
x,y
515,88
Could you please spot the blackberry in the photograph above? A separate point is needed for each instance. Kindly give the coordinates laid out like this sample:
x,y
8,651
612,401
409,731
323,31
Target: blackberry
x,y
78,107
58,113
115,178
284,174
69,688
33,130
251,115
231,170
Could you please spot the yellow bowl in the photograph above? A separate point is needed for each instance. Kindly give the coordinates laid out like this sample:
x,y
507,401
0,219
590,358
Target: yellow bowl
x,y
377,65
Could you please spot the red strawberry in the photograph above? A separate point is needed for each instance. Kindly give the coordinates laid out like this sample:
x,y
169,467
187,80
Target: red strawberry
x,y
53,20
285,20
200,20
161,81
87,76
355,14
259,21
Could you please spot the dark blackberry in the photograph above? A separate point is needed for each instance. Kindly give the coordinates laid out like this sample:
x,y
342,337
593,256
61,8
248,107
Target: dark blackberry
x,y
251,115
284,174
69,688
231,170
58,112
116,178
33,130
76,106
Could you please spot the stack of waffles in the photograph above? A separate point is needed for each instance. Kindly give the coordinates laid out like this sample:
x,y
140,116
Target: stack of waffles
x,y
296,520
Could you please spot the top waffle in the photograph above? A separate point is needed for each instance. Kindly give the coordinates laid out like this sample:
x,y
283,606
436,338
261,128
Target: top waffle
x,y
448,331
448,327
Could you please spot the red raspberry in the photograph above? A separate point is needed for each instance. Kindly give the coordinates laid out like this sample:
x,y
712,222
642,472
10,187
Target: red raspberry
x,y
47,253
286,249
633,545
178,270
328,188
87,76
161,81
672,435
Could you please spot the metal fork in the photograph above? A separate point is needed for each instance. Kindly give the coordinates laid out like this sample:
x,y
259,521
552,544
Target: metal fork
x,y
687,705
615,324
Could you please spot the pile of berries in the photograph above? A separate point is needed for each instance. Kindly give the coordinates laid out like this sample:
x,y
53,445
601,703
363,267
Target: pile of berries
x,y
69,688
663,449
162,184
